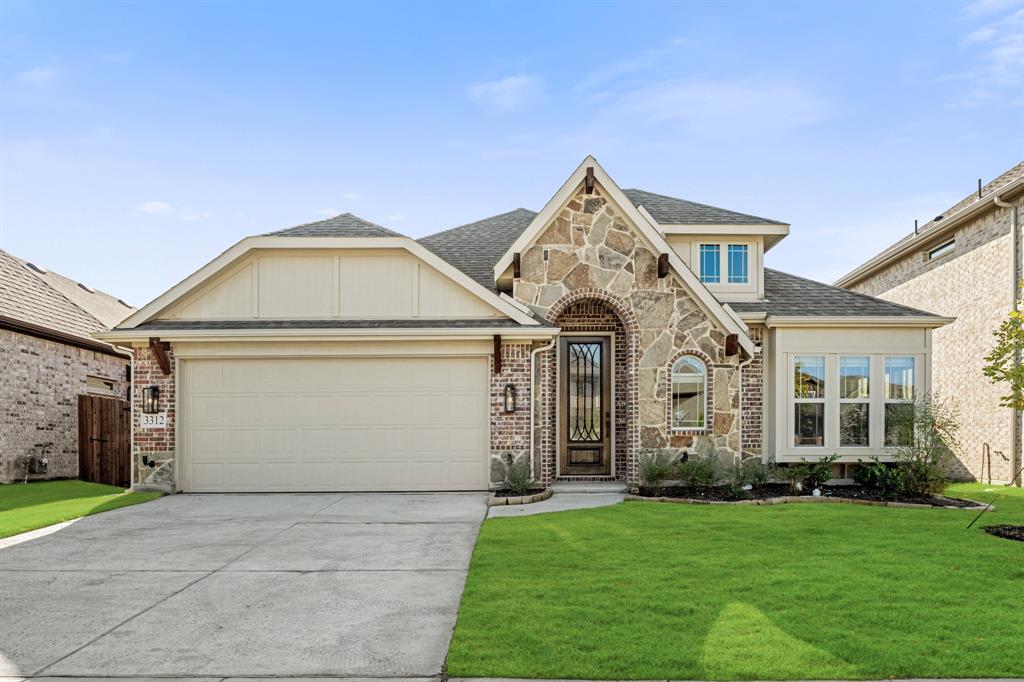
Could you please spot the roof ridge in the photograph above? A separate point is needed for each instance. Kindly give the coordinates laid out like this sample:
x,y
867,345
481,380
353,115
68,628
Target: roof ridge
x,y
345,214
56,291
703,205
851,292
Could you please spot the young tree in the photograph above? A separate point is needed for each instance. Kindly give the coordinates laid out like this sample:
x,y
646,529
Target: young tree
x,y
1003,364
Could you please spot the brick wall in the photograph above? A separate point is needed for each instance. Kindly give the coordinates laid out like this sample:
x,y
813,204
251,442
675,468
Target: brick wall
x,y
972,284
753,399
510,432
155,444
40,381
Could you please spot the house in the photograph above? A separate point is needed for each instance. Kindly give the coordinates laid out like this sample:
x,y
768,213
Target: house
x,y
966,264
339,355
48,357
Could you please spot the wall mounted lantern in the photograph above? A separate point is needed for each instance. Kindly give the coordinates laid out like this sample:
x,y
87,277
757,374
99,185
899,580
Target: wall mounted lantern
x,y
510,398
151,399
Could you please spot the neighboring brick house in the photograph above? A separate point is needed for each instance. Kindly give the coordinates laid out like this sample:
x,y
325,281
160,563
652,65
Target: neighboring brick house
x,y
964,264
47,358
340,355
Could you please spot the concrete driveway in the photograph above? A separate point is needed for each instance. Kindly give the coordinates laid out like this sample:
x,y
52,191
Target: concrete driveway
x,y
240,586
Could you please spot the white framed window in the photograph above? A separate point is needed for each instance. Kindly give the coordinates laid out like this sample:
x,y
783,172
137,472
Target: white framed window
x,y
854,400
710,263
739,264
689,393
942,249
809,400
900,392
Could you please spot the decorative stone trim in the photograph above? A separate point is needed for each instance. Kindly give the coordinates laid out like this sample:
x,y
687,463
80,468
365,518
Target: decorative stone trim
x,y
709,394
494,501
624,311
801,499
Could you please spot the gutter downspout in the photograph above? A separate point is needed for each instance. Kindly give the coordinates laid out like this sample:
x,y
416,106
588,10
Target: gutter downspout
x,y
1015,277
533,397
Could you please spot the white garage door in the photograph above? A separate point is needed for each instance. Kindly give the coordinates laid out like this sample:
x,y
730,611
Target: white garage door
x,y
307,424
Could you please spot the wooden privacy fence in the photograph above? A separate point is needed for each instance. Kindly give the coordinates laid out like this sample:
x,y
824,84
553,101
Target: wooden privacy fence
x,y
104,427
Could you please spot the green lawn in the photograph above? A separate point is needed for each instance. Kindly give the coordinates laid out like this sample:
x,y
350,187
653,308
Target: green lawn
x,y
34,505
656,591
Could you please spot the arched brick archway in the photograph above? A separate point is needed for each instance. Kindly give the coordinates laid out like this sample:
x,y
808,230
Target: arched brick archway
x,y
585,311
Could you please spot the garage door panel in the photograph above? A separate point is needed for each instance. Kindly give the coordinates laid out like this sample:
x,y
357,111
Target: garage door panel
x,y
335,424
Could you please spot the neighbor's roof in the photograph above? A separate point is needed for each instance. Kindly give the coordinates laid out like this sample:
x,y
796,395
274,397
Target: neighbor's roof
x,y
476,247
44,299
672,211
342,225
789,295
967,208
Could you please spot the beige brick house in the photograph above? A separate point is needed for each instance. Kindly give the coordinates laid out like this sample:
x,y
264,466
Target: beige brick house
x,y
340,355
965,264
47,358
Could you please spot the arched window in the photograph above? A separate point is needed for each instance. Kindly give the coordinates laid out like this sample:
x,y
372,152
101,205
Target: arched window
x,y
689,393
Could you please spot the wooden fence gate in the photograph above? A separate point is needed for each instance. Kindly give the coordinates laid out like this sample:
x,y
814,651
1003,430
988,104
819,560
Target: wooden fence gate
x,y
104,437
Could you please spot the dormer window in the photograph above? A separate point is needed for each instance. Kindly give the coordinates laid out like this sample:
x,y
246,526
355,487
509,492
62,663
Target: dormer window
x,y
710,263
739,258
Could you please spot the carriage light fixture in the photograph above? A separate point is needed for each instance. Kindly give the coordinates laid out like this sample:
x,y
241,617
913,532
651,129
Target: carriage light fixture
x,y
510,398
151,399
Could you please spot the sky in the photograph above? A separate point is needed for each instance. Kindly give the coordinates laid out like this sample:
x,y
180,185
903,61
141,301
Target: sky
x,y
140,140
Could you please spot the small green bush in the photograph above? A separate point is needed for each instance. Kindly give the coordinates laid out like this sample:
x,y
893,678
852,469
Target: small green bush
x,y
655,467
517,474
809,475
701,470
881,477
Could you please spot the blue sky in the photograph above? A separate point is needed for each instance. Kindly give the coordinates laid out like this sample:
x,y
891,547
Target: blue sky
x,y
139,140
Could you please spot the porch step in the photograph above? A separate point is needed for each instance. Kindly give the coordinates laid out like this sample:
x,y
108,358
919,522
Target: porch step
x,y
605,487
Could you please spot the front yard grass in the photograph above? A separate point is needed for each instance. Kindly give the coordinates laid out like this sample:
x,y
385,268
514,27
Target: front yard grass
x,y
25,507
667,591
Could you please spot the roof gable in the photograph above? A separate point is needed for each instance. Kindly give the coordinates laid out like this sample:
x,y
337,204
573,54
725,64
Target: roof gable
x,y
672,211
342,225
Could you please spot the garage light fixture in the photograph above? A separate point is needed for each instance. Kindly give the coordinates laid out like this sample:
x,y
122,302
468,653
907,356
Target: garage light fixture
x,y
151,399
510,398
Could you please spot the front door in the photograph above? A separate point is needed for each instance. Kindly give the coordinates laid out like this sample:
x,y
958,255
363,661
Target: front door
x,y
586,408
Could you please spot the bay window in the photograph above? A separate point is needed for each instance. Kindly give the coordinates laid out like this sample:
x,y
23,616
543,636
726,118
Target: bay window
x,y
899,400
855,401
809,400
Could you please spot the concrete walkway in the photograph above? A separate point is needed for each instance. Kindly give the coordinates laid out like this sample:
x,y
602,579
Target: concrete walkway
x,y
236,586
558,502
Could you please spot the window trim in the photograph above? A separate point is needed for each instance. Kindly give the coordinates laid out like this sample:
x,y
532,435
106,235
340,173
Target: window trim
x,y
823,400
712,247
745,249
886,400
707,384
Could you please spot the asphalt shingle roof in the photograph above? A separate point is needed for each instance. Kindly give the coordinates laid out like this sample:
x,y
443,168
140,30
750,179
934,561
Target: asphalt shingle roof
x,y
31,297
343,225
672,211
475,248
787,294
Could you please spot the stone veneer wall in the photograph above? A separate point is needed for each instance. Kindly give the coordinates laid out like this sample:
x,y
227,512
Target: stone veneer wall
x,y
510,432
40,381
155,444
590,251
972,284
753,397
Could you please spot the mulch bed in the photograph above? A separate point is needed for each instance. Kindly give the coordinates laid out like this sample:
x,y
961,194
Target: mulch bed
x,y
725,494
1008,532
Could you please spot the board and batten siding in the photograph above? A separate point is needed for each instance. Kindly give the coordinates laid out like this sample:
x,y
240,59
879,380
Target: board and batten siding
x,y
318,284
832,342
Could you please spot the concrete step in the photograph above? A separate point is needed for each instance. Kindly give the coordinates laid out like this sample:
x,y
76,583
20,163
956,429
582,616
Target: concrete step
x,y
598,487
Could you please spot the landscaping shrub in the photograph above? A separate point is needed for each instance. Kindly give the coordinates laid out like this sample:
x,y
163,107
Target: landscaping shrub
x,y
880,477
517,474
701,470
809,475
655,467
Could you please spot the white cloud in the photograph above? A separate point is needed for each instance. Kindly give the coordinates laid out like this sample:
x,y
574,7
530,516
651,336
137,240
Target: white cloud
x,y
984,8
40,75
155,208
350,196
397,218
646,61
327,212
511,93
998,71
750,106
982,35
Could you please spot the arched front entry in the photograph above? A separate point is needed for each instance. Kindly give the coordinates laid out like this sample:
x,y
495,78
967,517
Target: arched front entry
x,y
590,390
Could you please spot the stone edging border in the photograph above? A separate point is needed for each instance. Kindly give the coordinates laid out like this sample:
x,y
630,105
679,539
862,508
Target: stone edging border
x,y
495,501
803,499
